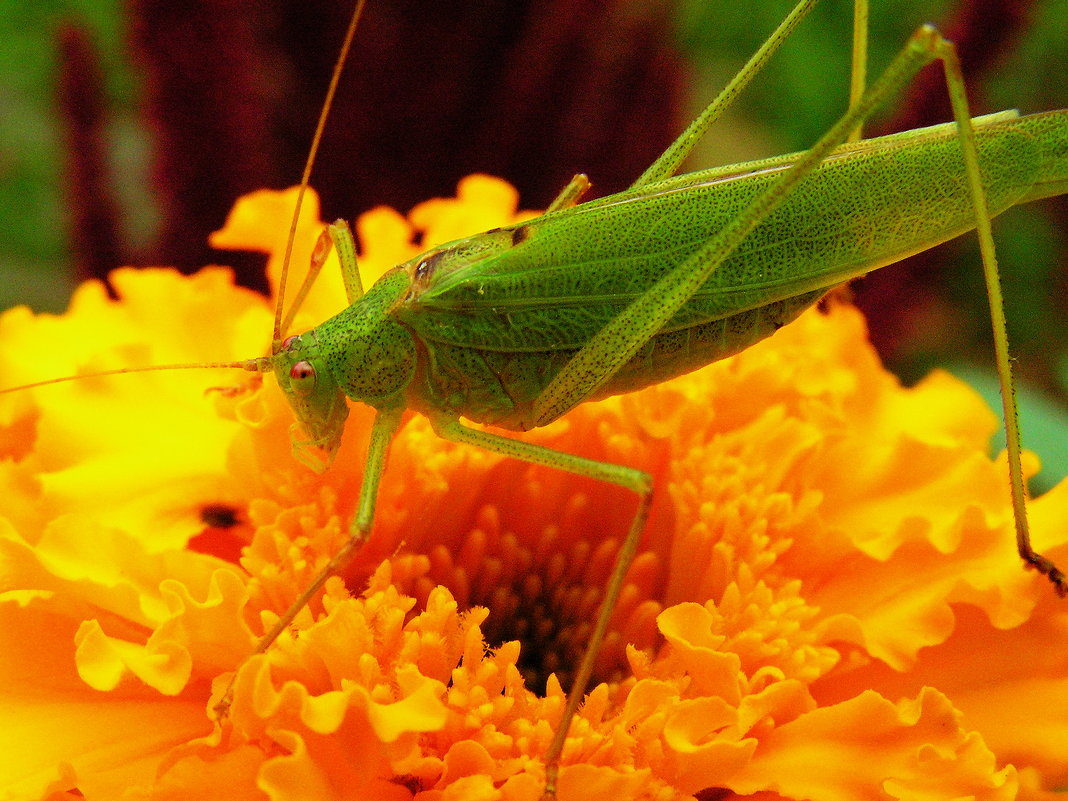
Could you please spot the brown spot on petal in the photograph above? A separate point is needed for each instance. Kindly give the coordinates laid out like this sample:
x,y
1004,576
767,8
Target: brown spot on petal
x,y
225,533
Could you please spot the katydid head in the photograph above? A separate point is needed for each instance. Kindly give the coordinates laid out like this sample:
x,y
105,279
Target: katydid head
x,y
317,401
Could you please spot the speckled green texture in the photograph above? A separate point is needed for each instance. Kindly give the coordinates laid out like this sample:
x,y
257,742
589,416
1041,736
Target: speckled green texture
x,y
372,357
480,327
497,329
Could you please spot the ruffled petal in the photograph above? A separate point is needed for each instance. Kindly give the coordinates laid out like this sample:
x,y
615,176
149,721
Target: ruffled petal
x,y
825,603
868,745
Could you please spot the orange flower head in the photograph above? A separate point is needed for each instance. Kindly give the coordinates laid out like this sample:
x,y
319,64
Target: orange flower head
x,y
824,605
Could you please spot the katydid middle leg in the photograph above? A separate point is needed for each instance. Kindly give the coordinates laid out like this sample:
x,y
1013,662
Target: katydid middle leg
x,y
628,477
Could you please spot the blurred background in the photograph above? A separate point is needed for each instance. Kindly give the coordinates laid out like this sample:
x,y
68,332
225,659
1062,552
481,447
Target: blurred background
x,y
129,127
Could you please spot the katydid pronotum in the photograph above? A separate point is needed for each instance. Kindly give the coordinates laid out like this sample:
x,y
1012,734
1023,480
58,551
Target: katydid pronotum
x,y
516,326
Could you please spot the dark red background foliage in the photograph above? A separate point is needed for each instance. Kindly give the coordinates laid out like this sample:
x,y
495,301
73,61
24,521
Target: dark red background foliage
x,y
433,91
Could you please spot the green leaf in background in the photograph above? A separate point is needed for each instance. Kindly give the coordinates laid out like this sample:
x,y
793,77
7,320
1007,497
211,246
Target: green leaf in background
x,y
1043,423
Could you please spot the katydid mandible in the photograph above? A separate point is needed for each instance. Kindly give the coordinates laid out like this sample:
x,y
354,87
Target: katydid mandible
x,y
516,326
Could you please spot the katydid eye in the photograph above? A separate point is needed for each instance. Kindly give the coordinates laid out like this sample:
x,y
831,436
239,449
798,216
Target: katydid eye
x,y
287,343
302,377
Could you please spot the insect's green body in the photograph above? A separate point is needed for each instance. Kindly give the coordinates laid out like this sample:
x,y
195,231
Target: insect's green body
x,y
516,326
480,327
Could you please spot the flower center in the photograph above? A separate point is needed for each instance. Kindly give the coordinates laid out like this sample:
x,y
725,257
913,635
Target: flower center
x,y
553,620
547,595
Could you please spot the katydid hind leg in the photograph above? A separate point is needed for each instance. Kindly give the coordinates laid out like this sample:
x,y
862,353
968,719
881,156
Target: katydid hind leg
x,y
628,477
959,102
625,334
944,51
668,163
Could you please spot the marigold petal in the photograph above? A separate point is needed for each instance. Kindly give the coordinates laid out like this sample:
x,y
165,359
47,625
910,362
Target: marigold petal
x,y
482,202
212,630
145,467
386,241
104,661
347,764
689,629
419,710
253,224
847,751
476,788
596,783
49,717
1019,705
205,772
700,756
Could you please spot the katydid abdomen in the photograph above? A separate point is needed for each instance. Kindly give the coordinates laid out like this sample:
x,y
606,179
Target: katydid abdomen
x,y
489,321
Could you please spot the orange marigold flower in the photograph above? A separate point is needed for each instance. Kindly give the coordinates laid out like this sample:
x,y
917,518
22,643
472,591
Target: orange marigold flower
x,y
825,603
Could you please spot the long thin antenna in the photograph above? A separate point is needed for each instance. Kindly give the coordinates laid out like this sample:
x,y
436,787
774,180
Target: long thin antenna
x,y
327,103
258,365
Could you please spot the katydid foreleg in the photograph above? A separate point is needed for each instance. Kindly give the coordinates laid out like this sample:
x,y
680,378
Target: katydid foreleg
x,y
384,428
570,194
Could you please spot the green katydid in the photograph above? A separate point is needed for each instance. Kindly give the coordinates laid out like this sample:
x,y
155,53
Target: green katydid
x,y
516,326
